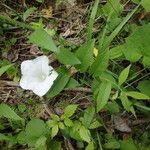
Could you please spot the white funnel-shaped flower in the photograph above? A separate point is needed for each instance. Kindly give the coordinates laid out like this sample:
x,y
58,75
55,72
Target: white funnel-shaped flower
x,y
37,75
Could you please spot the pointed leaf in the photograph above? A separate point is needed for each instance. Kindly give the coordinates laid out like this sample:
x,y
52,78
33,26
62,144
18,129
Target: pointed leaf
x,y
6,111
123,75
103,95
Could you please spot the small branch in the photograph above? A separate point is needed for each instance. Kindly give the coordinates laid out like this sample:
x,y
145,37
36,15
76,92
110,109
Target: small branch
x,y
13,22
68,144
46,107
80,89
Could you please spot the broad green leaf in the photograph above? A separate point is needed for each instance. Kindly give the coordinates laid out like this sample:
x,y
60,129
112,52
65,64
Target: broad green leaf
x,y
7,112
137,45
28,12
116,52
85,134
51,123
7,138
103,94
75,131
113,6
112,107
68,122
67,57
130,52
125,101
34,130
146,61
146,5
85,55
88,116
41,143
90,146
123,75
137,95
55,130
144,87
42,39
72,83
112,145
54,145
70,110
127,145
3,69
100,64
95,124
59,84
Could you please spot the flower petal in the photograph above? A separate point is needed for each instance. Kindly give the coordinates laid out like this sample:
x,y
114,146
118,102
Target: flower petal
x,y
26,67
42,88
41,63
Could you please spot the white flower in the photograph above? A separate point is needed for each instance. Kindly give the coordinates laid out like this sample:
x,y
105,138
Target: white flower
x,y
37,75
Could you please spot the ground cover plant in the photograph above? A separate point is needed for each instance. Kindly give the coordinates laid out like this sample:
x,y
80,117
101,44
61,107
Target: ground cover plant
x,y
74,75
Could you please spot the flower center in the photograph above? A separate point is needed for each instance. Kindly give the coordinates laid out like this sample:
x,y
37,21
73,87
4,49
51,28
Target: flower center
x,y
41,77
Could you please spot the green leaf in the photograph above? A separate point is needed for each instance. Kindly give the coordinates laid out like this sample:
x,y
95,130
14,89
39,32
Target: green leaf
x,y
144,87
55,130
90,146
113,6
112,145
28,12
42,39
125,101
6,111
72,83
103,93
112,107
3,69
34,130
136,46
146,5
127,145
68,122
85,134
7,138
123,75
100,64
142,106
91,20
54,145
146,61
85,55
40,1
95,124
118,28
67,57
88,116
70,110
59,84
41,143
116,52
137,95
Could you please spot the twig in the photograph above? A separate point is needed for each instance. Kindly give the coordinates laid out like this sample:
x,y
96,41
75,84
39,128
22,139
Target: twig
x,y
46,107
80,89
13,22
68,144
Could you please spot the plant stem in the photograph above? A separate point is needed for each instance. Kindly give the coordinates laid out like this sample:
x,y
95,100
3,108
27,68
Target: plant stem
x,y
6,19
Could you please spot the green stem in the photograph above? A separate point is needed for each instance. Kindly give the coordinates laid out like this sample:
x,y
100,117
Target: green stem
x,y
6,19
